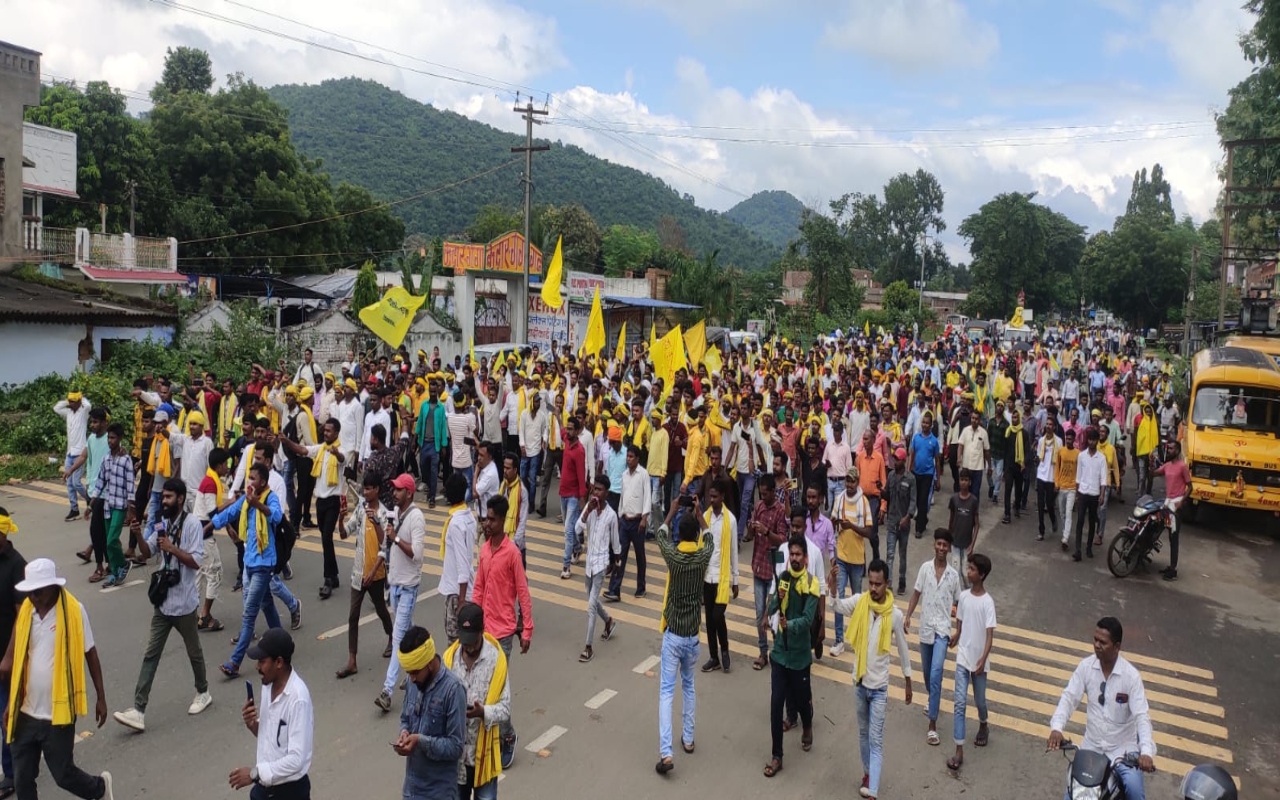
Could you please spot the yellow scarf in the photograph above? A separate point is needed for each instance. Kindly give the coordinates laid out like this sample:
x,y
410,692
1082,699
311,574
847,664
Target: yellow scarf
x,y
801,582
310,421
227,418
682,547
512,492
137,428
553,435
1019,457
328,463
488,752
260,528
217,482
726,541
1148,435
70,701
860,629
373,567
460,507
638,434
160,464
182,421
520,404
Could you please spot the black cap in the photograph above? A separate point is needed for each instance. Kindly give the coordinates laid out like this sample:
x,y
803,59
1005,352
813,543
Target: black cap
x,y
470,623
275,643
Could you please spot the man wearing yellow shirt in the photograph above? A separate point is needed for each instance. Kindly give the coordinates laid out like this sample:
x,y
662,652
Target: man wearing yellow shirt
x,y
1064,480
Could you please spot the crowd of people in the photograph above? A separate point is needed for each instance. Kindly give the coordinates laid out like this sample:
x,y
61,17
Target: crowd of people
x,y
817,462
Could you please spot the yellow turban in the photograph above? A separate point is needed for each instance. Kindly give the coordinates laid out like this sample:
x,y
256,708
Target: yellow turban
x,y
306,393
73,397
291,389
330,376
418,659
196,418
7,525
422,353
351,384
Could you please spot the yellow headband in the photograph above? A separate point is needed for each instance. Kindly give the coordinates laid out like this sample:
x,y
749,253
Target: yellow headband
x,y
74,396
418,659
7,526
351,384
195,418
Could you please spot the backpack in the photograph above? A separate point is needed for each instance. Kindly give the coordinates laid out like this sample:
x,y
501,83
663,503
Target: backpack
x,y
286,537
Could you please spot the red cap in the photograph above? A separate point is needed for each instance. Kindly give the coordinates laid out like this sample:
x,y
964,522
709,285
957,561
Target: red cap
x,y
404,481
900,454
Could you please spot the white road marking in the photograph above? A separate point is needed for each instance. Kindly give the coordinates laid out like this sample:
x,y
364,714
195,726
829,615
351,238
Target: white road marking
x,y
546,740
366,619
605,696
646,665
111,589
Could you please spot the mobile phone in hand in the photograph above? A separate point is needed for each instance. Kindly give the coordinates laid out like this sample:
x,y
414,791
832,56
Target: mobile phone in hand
x,y
248,690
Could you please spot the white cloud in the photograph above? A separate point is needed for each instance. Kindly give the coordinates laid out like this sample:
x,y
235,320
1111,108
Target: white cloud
x,y
1200,37
914,35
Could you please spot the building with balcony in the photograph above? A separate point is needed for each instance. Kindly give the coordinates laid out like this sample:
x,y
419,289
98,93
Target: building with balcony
x,y
19,88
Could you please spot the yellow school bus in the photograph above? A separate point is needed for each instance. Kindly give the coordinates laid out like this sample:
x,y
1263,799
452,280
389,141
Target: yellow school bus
x,y
1263,344
1232,441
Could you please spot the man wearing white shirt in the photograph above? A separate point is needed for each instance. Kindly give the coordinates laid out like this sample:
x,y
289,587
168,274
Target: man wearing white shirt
x,y
633,521
1047,447
719,523
378,415
597,530
1117,717
457,552
404,567
869,612
937,590
192,452
1091,479
283,722
309,373
75,411
487,478
749,454
350,415
532,432
327,461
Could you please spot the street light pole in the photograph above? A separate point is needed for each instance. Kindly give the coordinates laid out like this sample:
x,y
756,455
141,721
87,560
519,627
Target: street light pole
x,y
924,240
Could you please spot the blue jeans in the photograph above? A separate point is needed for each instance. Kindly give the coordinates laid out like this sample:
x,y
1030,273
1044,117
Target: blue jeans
x,y
571,507
153,507
278,590
835,487
287,472
746,500
1067,405
466,791
1132,780
75,484
429,468
761,595
695,486
257,596
933,657
679,653
871,709
465,472
997,476
529,467
849,575
403,600
963,678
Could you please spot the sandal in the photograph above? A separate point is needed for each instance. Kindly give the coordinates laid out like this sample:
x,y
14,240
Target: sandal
x,y
609,628
202,623
981,739
932,738
760,663
773,768
214,625
585,656
345,672
787,726
664,766
954,764
688,748
230,670
806,740
98,575
387,653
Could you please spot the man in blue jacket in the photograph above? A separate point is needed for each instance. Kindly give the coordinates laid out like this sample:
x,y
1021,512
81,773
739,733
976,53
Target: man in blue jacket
x,y
433,721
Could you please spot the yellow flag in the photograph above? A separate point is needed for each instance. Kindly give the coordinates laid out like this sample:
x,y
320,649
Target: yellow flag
x,y
474,364
551,279
621,355
668,355
695,340
713,361
595,339
390,317
653,336
866,327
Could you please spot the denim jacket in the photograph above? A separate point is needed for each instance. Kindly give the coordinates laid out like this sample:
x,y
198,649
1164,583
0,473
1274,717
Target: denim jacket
x,y
438,715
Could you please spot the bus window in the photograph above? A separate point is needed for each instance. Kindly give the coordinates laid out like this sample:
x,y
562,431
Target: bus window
x,y
1246,408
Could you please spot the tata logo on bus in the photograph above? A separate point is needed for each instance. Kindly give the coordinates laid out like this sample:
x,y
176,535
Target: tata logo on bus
x,y
503,255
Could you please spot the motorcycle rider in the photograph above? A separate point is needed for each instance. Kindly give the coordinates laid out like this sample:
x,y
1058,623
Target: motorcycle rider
x,y
1177,488
1117,718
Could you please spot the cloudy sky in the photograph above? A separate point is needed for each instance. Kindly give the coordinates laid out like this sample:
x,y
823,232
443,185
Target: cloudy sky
x,y
724,98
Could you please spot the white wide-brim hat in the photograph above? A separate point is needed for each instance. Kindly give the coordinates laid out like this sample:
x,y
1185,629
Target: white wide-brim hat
x,y
40,573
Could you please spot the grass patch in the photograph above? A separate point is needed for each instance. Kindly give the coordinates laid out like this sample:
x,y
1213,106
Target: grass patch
x,y
17,468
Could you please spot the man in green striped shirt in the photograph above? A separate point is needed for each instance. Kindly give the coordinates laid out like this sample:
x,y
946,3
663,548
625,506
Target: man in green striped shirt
x,y
681,618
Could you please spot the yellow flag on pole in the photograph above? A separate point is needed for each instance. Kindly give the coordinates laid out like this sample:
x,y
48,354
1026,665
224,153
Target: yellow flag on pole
x,y
653,336
668,355
866,327
713,361
695,341
472,353
551,279
621,354
595,338
390,317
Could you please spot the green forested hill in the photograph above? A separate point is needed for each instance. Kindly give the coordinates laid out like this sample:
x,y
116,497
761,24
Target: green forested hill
x,y
375,137
772,215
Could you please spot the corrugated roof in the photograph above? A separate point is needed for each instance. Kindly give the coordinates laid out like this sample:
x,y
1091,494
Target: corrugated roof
x,y
23,301
648,302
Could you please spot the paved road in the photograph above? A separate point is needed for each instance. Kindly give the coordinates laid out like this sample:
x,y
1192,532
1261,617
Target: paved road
x,y
1209,668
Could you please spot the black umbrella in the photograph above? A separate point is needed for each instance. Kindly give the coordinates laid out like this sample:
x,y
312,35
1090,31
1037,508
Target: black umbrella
x,y
1022,345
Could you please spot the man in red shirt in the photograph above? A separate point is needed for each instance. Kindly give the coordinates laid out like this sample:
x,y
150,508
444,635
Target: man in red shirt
x,y
1177,488
573,490
500,586
770,524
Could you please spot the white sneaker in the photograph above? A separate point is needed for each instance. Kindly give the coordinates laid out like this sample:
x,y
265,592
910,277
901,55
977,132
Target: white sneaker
x,y
837,650
133,718
202,701
107,794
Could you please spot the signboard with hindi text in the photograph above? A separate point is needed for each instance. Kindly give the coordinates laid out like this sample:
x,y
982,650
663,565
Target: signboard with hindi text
x,y
546,324
583,286
504,255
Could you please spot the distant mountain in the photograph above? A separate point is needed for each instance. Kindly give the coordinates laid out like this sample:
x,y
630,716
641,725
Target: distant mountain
x,y
772,215
396,147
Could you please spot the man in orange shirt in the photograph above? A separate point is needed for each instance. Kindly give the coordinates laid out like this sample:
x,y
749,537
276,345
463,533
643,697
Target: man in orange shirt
x,y
871,479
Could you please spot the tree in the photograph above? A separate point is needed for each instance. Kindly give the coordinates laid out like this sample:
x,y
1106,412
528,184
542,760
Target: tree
x,y
704,284
899,298
671,234
186,69
370,229
626,248
1020,245
492,221
365,293
580,246
824,253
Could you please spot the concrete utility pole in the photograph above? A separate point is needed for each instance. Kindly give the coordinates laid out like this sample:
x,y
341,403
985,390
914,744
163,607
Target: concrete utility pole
x,y
133,203
1226,243
530,115
924,242
1191,292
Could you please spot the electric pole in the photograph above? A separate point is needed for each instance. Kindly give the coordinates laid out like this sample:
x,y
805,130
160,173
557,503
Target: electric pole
x,y
1191,296
1226,242
529,115
133,203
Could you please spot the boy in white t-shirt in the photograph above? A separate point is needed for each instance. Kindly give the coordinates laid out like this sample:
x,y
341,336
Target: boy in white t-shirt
x,y
975,629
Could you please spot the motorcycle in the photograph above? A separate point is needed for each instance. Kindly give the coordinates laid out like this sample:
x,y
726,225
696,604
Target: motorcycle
x,y
1092,776
1140,537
